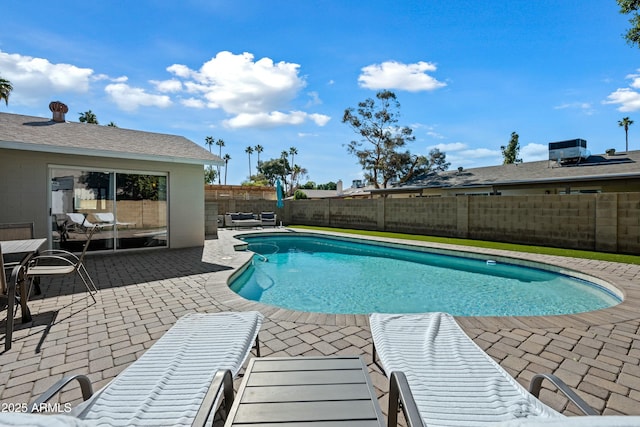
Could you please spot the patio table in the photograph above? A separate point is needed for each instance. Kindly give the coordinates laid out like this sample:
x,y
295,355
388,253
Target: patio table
x,y
295,391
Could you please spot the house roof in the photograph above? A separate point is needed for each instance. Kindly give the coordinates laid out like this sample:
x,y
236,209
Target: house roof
x,y
29,133
596,167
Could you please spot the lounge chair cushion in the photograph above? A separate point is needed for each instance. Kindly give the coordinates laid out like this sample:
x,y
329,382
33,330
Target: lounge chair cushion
x,y
589,421
15,419
453,381
166,385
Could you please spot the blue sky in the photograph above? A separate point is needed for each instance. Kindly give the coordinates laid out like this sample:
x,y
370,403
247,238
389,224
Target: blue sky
x,y
281,73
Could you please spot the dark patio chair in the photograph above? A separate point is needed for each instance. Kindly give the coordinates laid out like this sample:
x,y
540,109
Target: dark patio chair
x,y
58,262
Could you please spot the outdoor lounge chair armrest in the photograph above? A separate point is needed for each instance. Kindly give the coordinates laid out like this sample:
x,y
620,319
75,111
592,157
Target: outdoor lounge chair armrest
x,y
222,379
536,385
399,391
85,387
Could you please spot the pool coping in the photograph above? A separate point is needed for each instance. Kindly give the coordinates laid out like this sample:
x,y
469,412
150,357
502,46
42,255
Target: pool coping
x,y
603,272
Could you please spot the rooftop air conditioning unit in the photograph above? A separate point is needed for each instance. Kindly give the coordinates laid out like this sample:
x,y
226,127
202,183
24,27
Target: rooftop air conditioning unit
x,y
569,151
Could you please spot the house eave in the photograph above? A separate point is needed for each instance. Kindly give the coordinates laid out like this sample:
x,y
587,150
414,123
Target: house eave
x,y
15,145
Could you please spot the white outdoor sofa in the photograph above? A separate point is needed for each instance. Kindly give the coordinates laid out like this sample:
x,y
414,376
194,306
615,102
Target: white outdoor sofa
x,y
241,219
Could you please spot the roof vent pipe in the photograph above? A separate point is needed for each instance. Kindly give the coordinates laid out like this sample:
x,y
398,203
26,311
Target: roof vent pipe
x,y
59,110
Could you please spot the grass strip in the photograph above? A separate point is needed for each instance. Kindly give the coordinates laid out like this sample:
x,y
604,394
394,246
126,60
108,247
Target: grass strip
x,y
544,250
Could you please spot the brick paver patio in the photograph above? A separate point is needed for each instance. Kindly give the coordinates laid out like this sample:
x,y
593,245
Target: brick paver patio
x,y
143,293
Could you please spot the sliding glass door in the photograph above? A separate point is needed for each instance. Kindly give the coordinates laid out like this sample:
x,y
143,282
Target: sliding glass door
x,y
129,209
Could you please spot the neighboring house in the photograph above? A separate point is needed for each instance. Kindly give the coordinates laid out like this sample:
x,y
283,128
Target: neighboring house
x,y
357,191
599,173
149,185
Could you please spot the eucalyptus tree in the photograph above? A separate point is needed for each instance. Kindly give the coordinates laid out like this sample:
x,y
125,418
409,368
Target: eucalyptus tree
x,y
625,123
379,150
5,90
511,150
249,151
631,7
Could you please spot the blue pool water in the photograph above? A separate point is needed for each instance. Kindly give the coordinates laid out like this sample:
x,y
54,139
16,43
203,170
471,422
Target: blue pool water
x,y
327,275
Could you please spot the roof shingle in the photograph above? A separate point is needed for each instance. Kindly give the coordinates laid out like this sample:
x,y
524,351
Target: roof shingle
x,y
40,134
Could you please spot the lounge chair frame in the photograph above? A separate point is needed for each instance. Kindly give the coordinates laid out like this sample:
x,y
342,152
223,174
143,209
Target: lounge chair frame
x,y
182,355
401,397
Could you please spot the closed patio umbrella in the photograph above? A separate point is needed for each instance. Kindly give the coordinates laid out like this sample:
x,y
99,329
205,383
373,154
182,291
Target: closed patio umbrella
x,y
279,203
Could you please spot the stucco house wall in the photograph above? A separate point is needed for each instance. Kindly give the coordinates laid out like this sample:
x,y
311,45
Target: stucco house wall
x,y
24,188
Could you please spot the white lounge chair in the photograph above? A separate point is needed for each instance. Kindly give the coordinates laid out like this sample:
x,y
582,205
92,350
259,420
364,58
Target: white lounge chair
x,y
107,219
80,222
442,374
178,381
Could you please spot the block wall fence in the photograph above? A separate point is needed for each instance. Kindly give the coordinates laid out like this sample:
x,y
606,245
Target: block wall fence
x,y
605,222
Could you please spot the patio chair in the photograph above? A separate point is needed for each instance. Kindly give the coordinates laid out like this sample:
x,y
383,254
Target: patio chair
x,y
268,219
179,381
58,262
437,371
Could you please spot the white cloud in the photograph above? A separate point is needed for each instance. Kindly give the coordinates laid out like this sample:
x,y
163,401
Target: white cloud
x,y
635,80
628,99
274,118
254,92
314,99
584,106
533,152
395,75
130,98
453,146
172,85
459,154
193,103
34,80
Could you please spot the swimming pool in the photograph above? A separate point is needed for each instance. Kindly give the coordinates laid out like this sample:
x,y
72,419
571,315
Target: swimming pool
x,y
350,276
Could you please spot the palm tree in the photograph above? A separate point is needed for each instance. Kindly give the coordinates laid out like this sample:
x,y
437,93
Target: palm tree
x,y
219,143
226,158
88,117
259,149
249,150
5,90
208,141
626,122
293,151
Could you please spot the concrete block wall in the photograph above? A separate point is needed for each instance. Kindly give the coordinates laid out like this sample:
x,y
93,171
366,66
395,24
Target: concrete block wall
x,y
552,220
608,222
431,216
356,213
210,219
628,229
